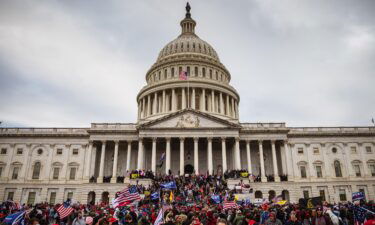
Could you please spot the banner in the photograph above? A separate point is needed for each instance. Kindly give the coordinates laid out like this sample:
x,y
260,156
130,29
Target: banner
x,y
216,199
310,202
358,196
134,175
169,185
244,174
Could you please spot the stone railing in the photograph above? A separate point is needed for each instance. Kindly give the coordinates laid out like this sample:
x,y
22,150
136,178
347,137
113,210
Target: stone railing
x,y
331,131
44,131
263,125
113,126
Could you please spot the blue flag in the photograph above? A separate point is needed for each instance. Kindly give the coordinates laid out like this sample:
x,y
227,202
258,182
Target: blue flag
x,y
358,196
169,185
15,218
155,196
216,198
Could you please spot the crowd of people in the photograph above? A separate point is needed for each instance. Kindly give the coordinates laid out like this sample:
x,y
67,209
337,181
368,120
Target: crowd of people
x,y
194,200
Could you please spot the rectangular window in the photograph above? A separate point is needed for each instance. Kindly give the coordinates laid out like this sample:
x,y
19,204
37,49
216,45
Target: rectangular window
x,y
59,151
300,150
75,151
306,194
196,71
15,173
1,171
72,175
52,198
322,194
56,172
303,172
319,171
172,72
368,149
70,195
10,195
316,150
357,170
31,198
3,151
342,195
372,170
19,151
353,150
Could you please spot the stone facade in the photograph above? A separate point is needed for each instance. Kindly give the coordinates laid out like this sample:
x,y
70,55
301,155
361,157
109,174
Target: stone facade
x,y
195,123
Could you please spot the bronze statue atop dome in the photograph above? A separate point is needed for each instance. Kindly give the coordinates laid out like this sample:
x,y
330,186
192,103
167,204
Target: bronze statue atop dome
x,y
188,15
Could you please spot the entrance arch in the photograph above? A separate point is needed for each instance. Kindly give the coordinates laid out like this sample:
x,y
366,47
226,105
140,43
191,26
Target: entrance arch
x,y
285,195
189,169
105,197
271,195
258,194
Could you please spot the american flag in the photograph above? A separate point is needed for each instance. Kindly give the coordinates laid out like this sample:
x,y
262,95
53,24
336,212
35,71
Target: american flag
x,y
126,196
184,75
229,205
64,210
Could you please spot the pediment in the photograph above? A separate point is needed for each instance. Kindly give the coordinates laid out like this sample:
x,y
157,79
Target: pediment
x,y
189,119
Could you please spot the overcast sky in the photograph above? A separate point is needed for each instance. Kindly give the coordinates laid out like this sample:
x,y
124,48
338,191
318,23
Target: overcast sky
x,y
70,63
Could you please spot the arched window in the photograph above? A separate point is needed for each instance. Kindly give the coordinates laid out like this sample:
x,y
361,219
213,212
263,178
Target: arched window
x,y
36,170
337,168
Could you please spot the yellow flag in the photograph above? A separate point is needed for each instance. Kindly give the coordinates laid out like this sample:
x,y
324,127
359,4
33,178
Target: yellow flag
x,y
282,202
171,196
235,197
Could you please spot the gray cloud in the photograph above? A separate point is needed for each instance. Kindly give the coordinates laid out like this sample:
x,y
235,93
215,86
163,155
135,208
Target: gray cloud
x,y
70,63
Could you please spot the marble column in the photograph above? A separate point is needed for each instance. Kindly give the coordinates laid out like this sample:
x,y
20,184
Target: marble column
x,y
154,106
209,155
115,159
193,98
237,154
140,155
289,161
129,155
88,162
183,98
174,102
261,159
153,155
227,105
203,108
143,107
248,154
221,104
163,104
274,160
196,156
212,101
182,156
148,105
168,155
101,168
139,110
233,114
224,154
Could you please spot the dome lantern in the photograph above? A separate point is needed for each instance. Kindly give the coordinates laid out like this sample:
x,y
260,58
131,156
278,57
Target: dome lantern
x,y
188,24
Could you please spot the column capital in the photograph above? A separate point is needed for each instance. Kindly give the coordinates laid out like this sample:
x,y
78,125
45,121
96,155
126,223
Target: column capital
x,y
209,139
237,138
285,142
91,142
260,141
154,139
52,145
168,139
196,138
248,141
223,138
182,139
140,139
116,142
273,142
104,142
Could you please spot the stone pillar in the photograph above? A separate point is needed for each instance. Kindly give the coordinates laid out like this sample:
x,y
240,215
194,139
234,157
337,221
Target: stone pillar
x,y
174,102
153,155
274,160
262,170
233,114
115,158
224,154
209,155
364,158
289,161
183,98
140,155
148,105
237,154
327,168
236,109
349,167
129,155
101,168
168,155
212,101
154,106
221,104
163,104
88,162
196,156
203,108
248,154
143,107
139,110
193,98
227,106
182,156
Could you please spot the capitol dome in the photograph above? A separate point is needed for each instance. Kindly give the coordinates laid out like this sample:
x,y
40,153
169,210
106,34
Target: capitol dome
x,y
206,87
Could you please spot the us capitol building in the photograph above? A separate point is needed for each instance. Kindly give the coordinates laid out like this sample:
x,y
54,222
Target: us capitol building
x,y
195,123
